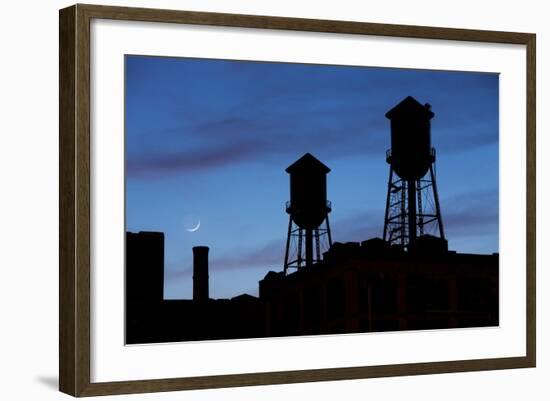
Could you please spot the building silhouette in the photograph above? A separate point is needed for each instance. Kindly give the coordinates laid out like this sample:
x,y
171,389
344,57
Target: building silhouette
x,y
151,318
357,287
370,286
412,282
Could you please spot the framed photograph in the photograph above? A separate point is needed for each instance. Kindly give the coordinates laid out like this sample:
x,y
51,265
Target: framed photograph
x,y
250,200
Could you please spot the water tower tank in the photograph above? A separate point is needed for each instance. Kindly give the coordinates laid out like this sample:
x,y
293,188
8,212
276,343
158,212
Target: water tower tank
x,y
308,204
411,149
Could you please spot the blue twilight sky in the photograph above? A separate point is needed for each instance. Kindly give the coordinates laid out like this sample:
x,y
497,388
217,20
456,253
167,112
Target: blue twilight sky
x,y
209,140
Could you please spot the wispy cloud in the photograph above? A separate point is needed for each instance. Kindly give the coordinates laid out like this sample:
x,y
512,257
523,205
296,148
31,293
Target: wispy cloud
x,y
471,213
234,140
458,138
269,255
467,214
156,165
208,108
231,140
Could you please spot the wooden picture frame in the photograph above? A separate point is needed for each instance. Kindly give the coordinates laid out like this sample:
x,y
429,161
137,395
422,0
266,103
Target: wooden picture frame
x,y
74,205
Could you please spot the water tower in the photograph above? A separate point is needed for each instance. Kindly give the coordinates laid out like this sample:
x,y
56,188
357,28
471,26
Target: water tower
x,y
308,208
412,203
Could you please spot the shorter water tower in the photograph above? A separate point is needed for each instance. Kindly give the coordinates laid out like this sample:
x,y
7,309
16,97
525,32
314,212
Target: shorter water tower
x,y
412,203
308,208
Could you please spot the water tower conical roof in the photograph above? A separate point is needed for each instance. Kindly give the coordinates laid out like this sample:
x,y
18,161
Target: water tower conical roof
x,y
307,162
409,106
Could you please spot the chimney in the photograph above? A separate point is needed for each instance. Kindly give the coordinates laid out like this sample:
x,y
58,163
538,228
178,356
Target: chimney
x,y
200,273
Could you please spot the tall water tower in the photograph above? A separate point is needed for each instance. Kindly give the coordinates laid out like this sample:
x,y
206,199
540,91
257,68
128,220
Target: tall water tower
x,y
308,208
412,203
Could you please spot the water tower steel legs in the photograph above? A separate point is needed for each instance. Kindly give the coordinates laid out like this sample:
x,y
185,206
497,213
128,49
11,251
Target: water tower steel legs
x,y
328,232
317,244
411,210
403,214
289,235
408,214
436,200
386,216
304,247
309,247
300,240
419,207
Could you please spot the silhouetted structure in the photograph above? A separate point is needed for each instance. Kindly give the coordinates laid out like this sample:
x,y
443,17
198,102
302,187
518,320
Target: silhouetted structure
x,y
357,287
371,286
412,205
308,209
407,281
200,273
145,252
144,282
151,319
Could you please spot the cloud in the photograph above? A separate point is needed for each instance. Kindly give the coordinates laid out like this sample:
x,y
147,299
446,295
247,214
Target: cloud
x,y
271,254
172,272
456,138
470,223
229,126
336,131
233,140
471,214
151,166
464,215
359,227
290,108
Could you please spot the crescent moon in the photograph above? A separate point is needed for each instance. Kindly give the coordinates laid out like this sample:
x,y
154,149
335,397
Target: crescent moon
x,y
192,230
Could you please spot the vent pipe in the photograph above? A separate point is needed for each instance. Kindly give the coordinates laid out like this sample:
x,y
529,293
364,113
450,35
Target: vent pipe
x,y
200,273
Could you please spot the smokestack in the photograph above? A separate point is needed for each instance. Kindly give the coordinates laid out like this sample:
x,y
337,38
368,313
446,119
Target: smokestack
x,y
200,273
